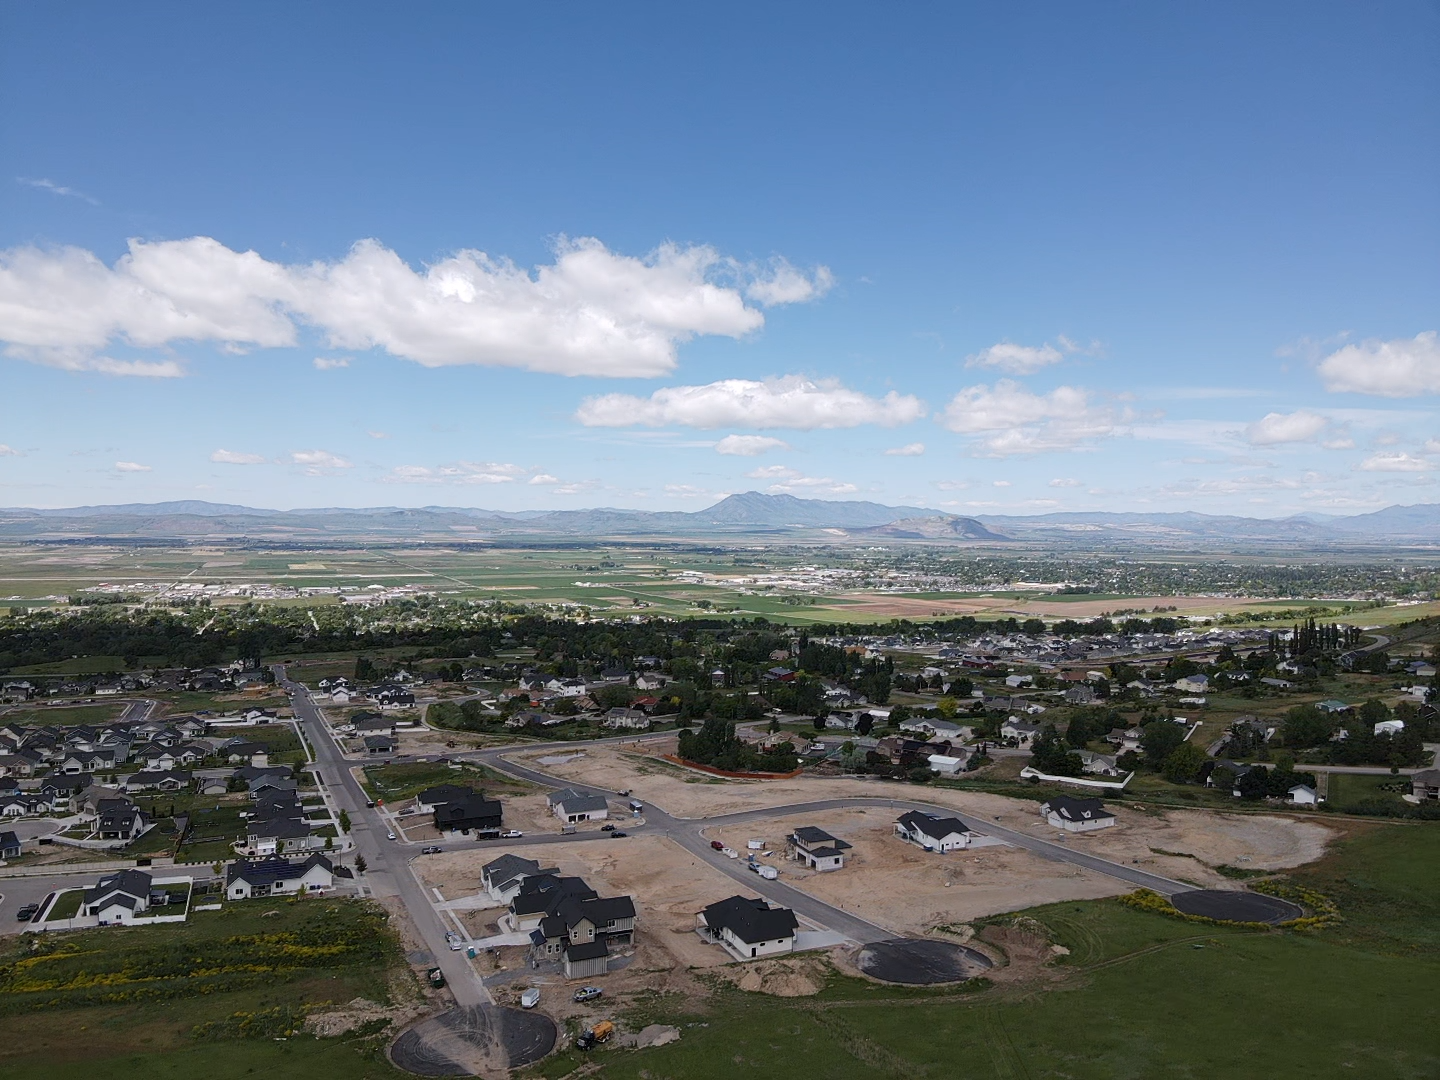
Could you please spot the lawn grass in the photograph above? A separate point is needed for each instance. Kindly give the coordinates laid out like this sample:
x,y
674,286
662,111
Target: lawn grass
x,y
65,715
1139,995
138,994
1348,790
66,906
396,782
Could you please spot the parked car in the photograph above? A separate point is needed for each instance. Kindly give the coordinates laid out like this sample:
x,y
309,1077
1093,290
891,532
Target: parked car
x,y
389,835
433,849
607,828
26,913
588,993
717,845
530,998
617,834
511,834
370,805
454,940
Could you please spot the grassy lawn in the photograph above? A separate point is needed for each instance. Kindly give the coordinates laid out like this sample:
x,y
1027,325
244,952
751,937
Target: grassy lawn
x,y
1138,996
80,665
139,995
64,714
1347,790
66,906
396,782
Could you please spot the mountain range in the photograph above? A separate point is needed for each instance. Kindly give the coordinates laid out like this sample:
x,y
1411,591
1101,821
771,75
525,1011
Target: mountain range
x,y
750,513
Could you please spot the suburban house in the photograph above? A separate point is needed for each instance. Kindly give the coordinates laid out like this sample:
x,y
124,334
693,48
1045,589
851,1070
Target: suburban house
x,y
278,826
943,729
1022,731
1192,684
1099,764
567,920
502,878
117,898
947,764
628,719
932,832
119,819
9,845
1426,785
817,849
570,806
247,879
1077,815
430,798
470,811
372,724
749,929
1303,795
170,780
380,744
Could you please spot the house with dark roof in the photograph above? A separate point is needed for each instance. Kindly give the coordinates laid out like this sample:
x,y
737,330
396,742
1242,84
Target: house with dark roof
x,y
817,849
1077,815
246,879
164,780
502,877
117,898
9,846
571,806
749,929
933,832
431,798
119,819
380,744
1426,784
471,811
584,932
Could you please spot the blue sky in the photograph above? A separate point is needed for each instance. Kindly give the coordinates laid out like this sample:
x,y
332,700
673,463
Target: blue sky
x,y
990,259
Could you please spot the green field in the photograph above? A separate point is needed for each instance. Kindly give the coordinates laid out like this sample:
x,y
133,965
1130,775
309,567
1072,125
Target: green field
x,y
216,996
395,782
1139,996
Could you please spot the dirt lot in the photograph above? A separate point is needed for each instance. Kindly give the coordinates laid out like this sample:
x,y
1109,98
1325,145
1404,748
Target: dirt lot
x,y
1203,838
528,813
897,885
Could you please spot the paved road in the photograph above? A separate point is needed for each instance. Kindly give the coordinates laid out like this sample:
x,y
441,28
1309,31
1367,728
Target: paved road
x,y
388,871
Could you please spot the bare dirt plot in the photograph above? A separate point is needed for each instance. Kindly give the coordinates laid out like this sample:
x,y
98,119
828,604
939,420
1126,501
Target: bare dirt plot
x,y
528,813
897,885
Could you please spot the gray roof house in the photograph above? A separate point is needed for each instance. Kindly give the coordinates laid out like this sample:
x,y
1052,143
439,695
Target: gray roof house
x,y
750,929
571,806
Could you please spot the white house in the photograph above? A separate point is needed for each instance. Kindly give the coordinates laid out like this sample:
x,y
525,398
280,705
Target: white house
x,y
932,832
1022,731
749,929
946,765
1077,815
1303,795
1192,684
117,898
817,849
570,806
246,879
1389,727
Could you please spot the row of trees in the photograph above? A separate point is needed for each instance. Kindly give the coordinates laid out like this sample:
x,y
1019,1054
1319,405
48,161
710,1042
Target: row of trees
x,y
716,744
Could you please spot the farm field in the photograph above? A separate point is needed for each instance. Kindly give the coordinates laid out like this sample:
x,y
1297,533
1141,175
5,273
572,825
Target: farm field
x,y
1138,995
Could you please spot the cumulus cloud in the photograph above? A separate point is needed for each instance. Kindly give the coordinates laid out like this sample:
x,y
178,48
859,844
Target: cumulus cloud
x,y
8,451
749,445
330,363
318,462
1000,483
1275,428
789,481
590,312
914,449
1432,446
1394,461
1065,482
544,479
1016,359
131,466
792,401
1404,367
232,457
1013,420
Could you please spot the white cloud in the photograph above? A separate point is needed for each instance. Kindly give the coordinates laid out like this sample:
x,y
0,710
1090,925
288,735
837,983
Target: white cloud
x,y
914,449
792,401
749,445
1275,428
378,434
8,451
1016,421
330,363
1432,446
56,189
466,472
781,283
686,491
1065,482
232,457
770,472
131,466
544,478
590,312
1395,461
1405,367
1000,483
318,462
788,481
952,485
1015,359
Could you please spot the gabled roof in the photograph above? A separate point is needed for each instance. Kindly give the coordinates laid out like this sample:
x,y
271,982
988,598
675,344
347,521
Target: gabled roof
x,y
546,892
932,825
752,921
575,803
445,793
132,883
268,871
502,871
586,950
1073,809
809,836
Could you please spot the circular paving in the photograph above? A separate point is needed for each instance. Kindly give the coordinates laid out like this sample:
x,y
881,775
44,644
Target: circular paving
x,y
470,1041
1235,905
921,962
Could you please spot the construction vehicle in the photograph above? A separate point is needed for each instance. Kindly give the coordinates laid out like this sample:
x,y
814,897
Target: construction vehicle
x,y
600,1033
436,977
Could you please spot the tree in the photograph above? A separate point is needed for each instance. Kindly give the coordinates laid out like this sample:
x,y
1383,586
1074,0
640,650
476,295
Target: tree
x,y
1183,763
865,724
344,821
1050,755
1159,739
1306,726
360,864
